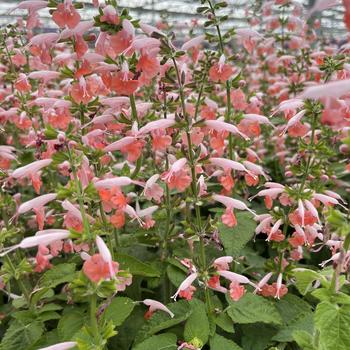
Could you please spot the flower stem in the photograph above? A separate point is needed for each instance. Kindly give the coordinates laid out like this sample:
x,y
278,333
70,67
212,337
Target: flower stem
x,y
228,86
93,319
202,257
80,197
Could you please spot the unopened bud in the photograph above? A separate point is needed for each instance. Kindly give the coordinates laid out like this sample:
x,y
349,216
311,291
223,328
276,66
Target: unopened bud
x,y
61,137
324,177
242,83
344,149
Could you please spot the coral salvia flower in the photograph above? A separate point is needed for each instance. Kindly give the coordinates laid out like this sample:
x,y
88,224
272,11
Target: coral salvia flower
x,y
97,269
186,289
66,15
220,72
154,306
236,291
61,346
44,237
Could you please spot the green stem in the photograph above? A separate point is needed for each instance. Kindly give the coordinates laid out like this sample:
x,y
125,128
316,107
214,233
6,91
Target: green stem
x,y
309,160
228,86
133,108
193,184
80,196
93,319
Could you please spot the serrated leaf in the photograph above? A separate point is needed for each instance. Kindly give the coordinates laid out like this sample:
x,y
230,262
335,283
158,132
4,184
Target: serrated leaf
x,y
325,294
49,307
224,322
304,340
253,308
176,276
21,336
333,324
166,341
234,239
218,342
119,310
135,266
302,323
49,315
291,307
161,320
257,336
70,324
304,279
62,273
197,325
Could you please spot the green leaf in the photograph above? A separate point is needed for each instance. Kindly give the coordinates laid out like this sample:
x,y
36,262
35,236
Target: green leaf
x,y
21,335
119,310
70,324
135,266
234,239
304,279
325,294
161,320
291,307
333,323
217,342
253,308
176,276
49,315
304,340
257,336
166,341
49,307
62,273
197,325
224,322
303,323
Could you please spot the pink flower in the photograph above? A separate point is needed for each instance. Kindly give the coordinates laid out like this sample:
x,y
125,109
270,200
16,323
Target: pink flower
x,y
235,277
220,72
97,269
36,203
44,237
219,125
61,346
196,41
236,291
185,289
223,262
153,190
154,306
232,203
109,15
66,15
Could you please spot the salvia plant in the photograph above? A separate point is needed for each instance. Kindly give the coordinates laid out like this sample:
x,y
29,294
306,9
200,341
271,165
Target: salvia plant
x,y
174,191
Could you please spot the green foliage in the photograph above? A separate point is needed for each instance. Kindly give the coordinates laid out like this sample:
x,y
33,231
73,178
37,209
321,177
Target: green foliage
x,y
234,239
135,266
162,321
218,342
197,325
118,310
304,279
70,323
253,308
59,274
333,323
21,335
166,341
